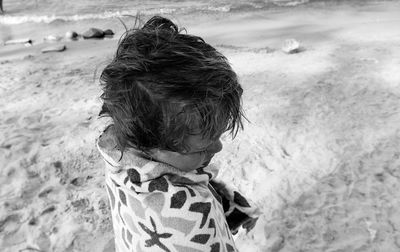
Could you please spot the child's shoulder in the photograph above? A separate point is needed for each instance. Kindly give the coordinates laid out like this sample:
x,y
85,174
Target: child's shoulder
x,y
108,148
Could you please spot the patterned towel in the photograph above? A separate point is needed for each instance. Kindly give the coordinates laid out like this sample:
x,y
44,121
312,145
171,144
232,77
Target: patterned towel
x,y
156,207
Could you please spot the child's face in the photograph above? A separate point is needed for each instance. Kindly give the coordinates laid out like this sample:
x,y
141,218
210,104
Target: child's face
x,y
199,154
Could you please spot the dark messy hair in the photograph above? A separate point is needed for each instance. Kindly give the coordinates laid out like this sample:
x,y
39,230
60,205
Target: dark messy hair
x,y
162,86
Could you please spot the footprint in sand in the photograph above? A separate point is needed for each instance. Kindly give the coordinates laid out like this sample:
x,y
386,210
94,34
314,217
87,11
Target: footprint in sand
x,y
31,187
45,192
78,181
11,120
8,222
48,210
80,204
110,246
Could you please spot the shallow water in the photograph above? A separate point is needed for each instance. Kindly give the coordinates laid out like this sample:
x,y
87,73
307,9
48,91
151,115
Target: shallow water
x,y
45,11
22,11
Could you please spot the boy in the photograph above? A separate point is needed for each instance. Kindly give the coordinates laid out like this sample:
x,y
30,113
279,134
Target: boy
x,y
170,97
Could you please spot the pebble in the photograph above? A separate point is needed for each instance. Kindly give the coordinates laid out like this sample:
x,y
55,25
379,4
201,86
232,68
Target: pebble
x,y
55,48
52,38
18,41
93,33
291,46
71,35
108,32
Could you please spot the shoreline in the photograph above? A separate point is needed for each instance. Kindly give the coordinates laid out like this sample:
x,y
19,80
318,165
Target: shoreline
x,y
60,27
203,8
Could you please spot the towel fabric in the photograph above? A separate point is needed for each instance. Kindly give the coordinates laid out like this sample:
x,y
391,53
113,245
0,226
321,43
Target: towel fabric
x,y
156,207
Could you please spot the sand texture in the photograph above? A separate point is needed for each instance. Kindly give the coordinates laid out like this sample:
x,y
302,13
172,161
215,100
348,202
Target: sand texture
x,y
320,154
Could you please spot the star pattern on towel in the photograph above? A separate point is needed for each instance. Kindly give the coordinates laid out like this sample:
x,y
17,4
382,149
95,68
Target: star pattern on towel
x,y
155,236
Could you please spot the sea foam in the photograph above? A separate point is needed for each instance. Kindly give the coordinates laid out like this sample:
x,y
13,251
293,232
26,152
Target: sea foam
x,y
11,19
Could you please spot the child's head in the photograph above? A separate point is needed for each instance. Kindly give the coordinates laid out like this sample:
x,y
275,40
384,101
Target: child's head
x,y
165,90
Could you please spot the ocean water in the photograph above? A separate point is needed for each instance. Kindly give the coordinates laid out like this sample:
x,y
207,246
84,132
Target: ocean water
x,y
46,11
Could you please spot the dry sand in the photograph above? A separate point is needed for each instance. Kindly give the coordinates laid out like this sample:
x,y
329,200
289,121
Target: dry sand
x,y
319,156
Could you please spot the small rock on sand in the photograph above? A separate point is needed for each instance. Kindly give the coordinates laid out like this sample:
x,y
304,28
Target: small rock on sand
x,y
52,38
93,33
108,32
291,46
71,35
18,41
55,48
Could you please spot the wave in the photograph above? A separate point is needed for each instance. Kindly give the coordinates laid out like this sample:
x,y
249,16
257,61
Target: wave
x,y
19,19
290,3
12,20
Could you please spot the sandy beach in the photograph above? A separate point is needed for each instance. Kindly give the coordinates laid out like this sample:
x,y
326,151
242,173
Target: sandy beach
x,y
319,154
